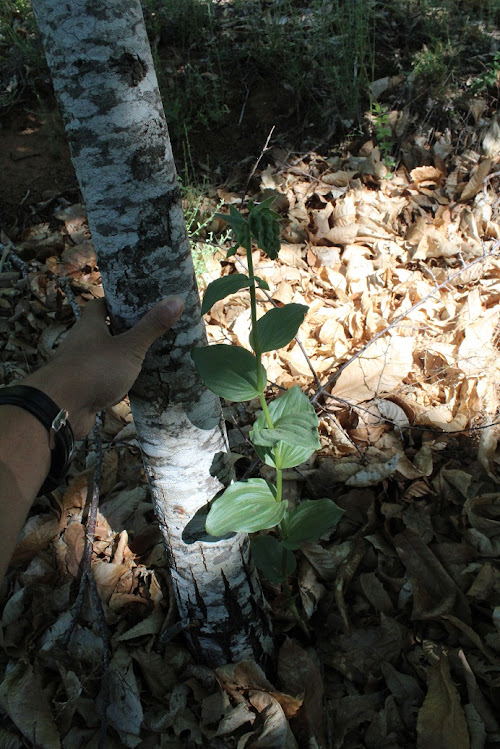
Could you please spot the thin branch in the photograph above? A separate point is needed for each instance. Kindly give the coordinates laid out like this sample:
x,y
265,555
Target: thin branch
x,y
93,492
5,248
242,113
335,423
65,285
17,262
487,180
266,147
322,390
414,427
309,363
87,579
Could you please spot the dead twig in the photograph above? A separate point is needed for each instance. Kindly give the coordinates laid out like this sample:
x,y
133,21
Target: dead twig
x,y
87,579
265,148
5,248
323,389
65,285
15,260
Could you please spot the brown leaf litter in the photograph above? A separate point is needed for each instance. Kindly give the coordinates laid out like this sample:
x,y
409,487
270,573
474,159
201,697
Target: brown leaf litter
x,y
402,602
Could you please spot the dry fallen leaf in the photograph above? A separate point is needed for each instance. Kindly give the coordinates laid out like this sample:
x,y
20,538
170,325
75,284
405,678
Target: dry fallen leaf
x,y
27,705
434,591
299,672
475,184
125,712
378,370
441,720
374,472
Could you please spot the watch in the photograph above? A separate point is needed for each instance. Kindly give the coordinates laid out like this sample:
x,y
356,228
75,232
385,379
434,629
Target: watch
x,y
54,419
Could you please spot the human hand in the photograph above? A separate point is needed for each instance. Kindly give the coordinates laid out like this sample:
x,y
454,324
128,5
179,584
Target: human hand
x,y
93,369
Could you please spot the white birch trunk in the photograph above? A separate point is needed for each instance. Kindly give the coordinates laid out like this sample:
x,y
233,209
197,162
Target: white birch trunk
x,y
103,74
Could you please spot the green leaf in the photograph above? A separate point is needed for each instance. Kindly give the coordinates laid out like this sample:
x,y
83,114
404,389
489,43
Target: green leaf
x,y
292,401
279,326
261,283
283,455
310,520
229,371
264,226
298,430
238,224
267,553
221,288
247,506
232,250
264,205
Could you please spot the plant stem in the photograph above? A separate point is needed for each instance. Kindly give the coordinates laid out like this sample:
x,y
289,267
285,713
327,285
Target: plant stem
x,y
255,339
284,556
253,310
293,608
288,596
266,412
279,485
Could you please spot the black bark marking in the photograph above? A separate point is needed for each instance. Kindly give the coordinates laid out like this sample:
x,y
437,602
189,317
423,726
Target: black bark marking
x,y
248,571
235,616
145,161
93,9
222,469
105,100
257,602
79,137
84,65
177,591
199,601
256,629
131,68
155,231
155,228
167,542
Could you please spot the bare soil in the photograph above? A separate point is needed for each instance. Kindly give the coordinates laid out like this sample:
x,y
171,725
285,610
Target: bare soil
x,y
35,165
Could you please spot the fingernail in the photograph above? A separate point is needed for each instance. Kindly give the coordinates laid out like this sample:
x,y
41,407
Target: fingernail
x,y
174,305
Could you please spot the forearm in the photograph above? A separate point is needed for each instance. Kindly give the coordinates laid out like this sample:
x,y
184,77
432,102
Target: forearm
x,y
91,371
24,464
25,449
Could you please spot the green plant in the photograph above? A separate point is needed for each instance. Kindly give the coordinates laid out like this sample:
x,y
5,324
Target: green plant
x,y
182,21
286,432
324,52
383,132
200,213
187,60
22,63
199,216
489,77
432,63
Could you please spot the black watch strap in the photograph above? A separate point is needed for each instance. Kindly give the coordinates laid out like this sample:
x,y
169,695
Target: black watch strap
x,y
53,419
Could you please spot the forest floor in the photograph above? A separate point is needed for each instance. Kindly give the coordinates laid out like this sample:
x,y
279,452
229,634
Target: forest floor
x,y
399,263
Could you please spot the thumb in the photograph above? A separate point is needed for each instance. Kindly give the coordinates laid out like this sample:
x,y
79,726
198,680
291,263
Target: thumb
x,y
153,324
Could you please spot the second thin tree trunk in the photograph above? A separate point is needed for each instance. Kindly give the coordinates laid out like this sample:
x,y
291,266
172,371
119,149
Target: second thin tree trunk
x,y
104,78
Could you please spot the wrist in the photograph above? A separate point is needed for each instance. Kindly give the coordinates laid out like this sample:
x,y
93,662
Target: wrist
x,y
33,409
63,387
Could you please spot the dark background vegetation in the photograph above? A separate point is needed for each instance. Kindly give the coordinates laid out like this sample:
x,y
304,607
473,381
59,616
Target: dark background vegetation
x,y
229,71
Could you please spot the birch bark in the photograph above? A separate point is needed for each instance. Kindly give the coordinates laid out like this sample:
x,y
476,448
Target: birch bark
x,y
104,78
